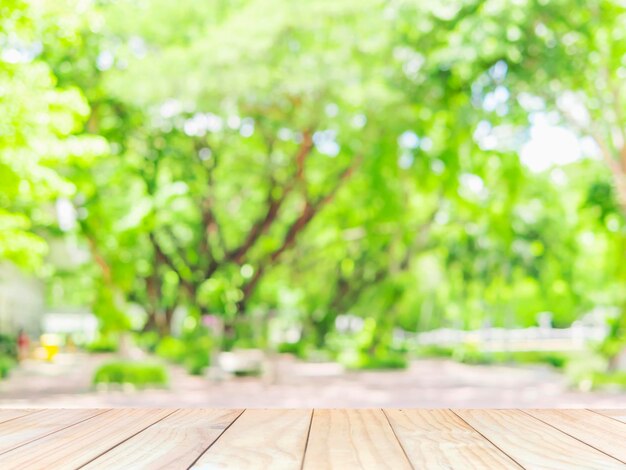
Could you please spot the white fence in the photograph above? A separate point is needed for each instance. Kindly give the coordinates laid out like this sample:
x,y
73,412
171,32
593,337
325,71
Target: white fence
x,y
590,329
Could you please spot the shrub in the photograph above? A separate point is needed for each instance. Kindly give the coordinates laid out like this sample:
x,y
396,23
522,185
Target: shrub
x,y
172,349
8,346
615,380
148,340
469,354
136,373
434,351
103,344
386,359
6,364
391,360
197,363
298,349
198,353
192,350
555,359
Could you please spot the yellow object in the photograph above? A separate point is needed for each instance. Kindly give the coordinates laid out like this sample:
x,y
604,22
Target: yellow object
x,y
51,351
51,345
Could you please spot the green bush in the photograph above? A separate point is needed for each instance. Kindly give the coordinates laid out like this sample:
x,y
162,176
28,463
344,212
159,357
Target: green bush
x,y
196,364
298,349
555,359
473,356
148,341
6,364
391,360
136,373
434,351
198,354
248,373
103,344
192,350
8,346
172,349
470,354
387,359
614,380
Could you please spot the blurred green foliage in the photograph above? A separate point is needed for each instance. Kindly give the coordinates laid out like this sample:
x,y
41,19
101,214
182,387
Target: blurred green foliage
x,y
137,374
8,346
470,354
103,344
41,135
337,157
149,341
6,364
8,354
610,381
192,350
172,349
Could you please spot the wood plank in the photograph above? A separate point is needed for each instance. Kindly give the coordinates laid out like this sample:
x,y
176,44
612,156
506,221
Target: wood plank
x,y
353,439
174,442
619,415
79,444
260,439
32,426
289,439
601,432
9,414
534,444
440,439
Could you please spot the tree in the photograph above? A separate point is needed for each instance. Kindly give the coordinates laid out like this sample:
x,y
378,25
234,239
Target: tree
x,y
334,158
226,174
564,60
40,125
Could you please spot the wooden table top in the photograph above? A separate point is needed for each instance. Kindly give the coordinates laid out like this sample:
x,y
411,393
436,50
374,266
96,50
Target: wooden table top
x,y
342,439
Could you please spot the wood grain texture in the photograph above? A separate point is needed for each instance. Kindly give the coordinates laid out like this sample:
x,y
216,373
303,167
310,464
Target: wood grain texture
x,y
619,415
77,445
323,439
353,439
603,433
260,439
174,442
7,415
32,426
534,444
440,439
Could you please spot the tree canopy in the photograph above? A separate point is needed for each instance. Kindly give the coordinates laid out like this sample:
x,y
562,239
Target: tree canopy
x,y
257,159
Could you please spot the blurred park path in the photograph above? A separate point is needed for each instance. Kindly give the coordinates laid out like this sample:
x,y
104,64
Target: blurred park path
x,y
427,383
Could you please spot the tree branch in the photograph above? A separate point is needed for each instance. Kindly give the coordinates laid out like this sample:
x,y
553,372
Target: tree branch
x,y
309,210
164,258
274,204
210,229
348,293
100,261
616,165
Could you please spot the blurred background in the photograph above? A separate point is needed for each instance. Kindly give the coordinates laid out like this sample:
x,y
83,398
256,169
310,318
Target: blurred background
x,y
321,203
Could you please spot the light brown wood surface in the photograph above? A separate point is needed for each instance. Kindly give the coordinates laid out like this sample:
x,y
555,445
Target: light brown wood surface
x,y
77,445
534,444
619,415
209,439
260,439
345,438
175,441
603,433
7,415
20,431
440,439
